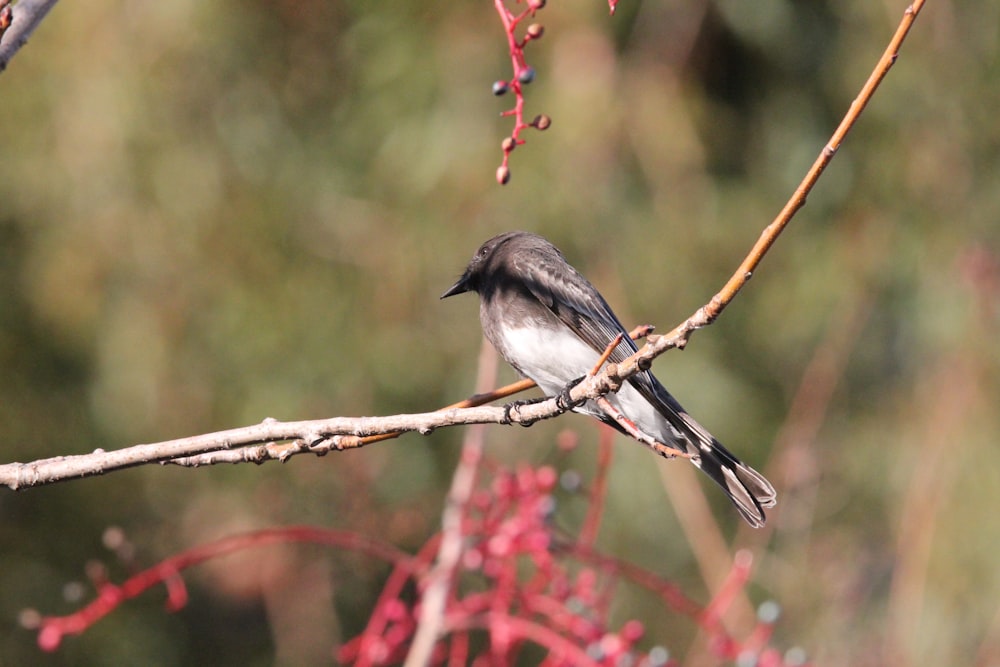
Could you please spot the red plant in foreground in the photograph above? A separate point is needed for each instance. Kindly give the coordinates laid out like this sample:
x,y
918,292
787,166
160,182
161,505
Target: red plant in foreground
x,y
521,582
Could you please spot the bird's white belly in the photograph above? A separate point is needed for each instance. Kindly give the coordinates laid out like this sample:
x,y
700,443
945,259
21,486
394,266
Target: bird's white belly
x,y
555,357
550,357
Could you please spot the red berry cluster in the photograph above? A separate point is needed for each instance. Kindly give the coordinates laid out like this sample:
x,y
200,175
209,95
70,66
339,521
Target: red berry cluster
x,y
517,588
523,75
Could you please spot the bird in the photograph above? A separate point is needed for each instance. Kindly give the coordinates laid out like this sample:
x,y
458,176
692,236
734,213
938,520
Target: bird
x,y
553,326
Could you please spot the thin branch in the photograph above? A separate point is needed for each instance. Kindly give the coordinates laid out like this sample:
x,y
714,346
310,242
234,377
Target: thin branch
x,y
27,14
316,436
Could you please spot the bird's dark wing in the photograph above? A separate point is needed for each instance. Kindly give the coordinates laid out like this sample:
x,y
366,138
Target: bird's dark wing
x,y
571,298
578,304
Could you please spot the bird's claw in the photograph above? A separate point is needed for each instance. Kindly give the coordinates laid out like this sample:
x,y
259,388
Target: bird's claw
x,y
513,407
563,400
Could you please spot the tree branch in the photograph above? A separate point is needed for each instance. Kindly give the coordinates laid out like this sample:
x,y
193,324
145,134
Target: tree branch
x,y
282,440
26,15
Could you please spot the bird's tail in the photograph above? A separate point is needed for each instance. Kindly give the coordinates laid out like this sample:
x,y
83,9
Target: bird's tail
x,y
746,487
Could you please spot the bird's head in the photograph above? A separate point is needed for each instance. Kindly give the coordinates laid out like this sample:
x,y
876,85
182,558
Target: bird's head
x,y
489,260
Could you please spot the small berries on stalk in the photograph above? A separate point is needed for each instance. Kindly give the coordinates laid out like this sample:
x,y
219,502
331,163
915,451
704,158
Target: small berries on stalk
x,y
503,175
541,122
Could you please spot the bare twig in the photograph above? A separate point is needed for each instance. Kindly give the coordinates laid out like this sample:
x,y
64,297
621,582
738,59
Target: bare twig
x,y
27,14
274,440
607,353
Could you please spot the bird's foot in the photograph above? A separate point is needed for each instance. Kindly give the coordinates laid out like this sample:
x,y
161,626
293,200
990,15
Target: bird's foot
x,y
513,406
563,400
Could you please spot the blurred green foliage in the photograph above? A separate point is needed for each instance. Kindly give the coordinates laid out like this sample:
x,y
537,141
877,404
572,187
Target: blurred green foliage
x,y
212,213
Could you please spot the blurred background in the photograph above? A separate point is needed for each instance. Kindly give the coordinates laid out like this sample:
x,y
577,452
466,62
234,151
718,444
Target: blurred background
x,y
213,213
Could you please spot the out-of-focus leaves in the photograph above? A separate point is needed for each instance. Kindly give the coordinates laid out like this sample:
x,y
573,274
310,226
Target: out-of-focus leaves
x,y
215,213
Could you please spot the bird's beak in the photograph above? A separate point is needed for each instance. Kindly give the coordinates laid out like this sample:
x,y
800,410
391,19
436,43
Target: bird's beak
x,y
458,288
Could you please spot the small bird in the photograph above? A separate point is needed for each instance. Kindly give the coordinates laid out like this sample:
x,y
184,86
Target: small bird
x,y
552,325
